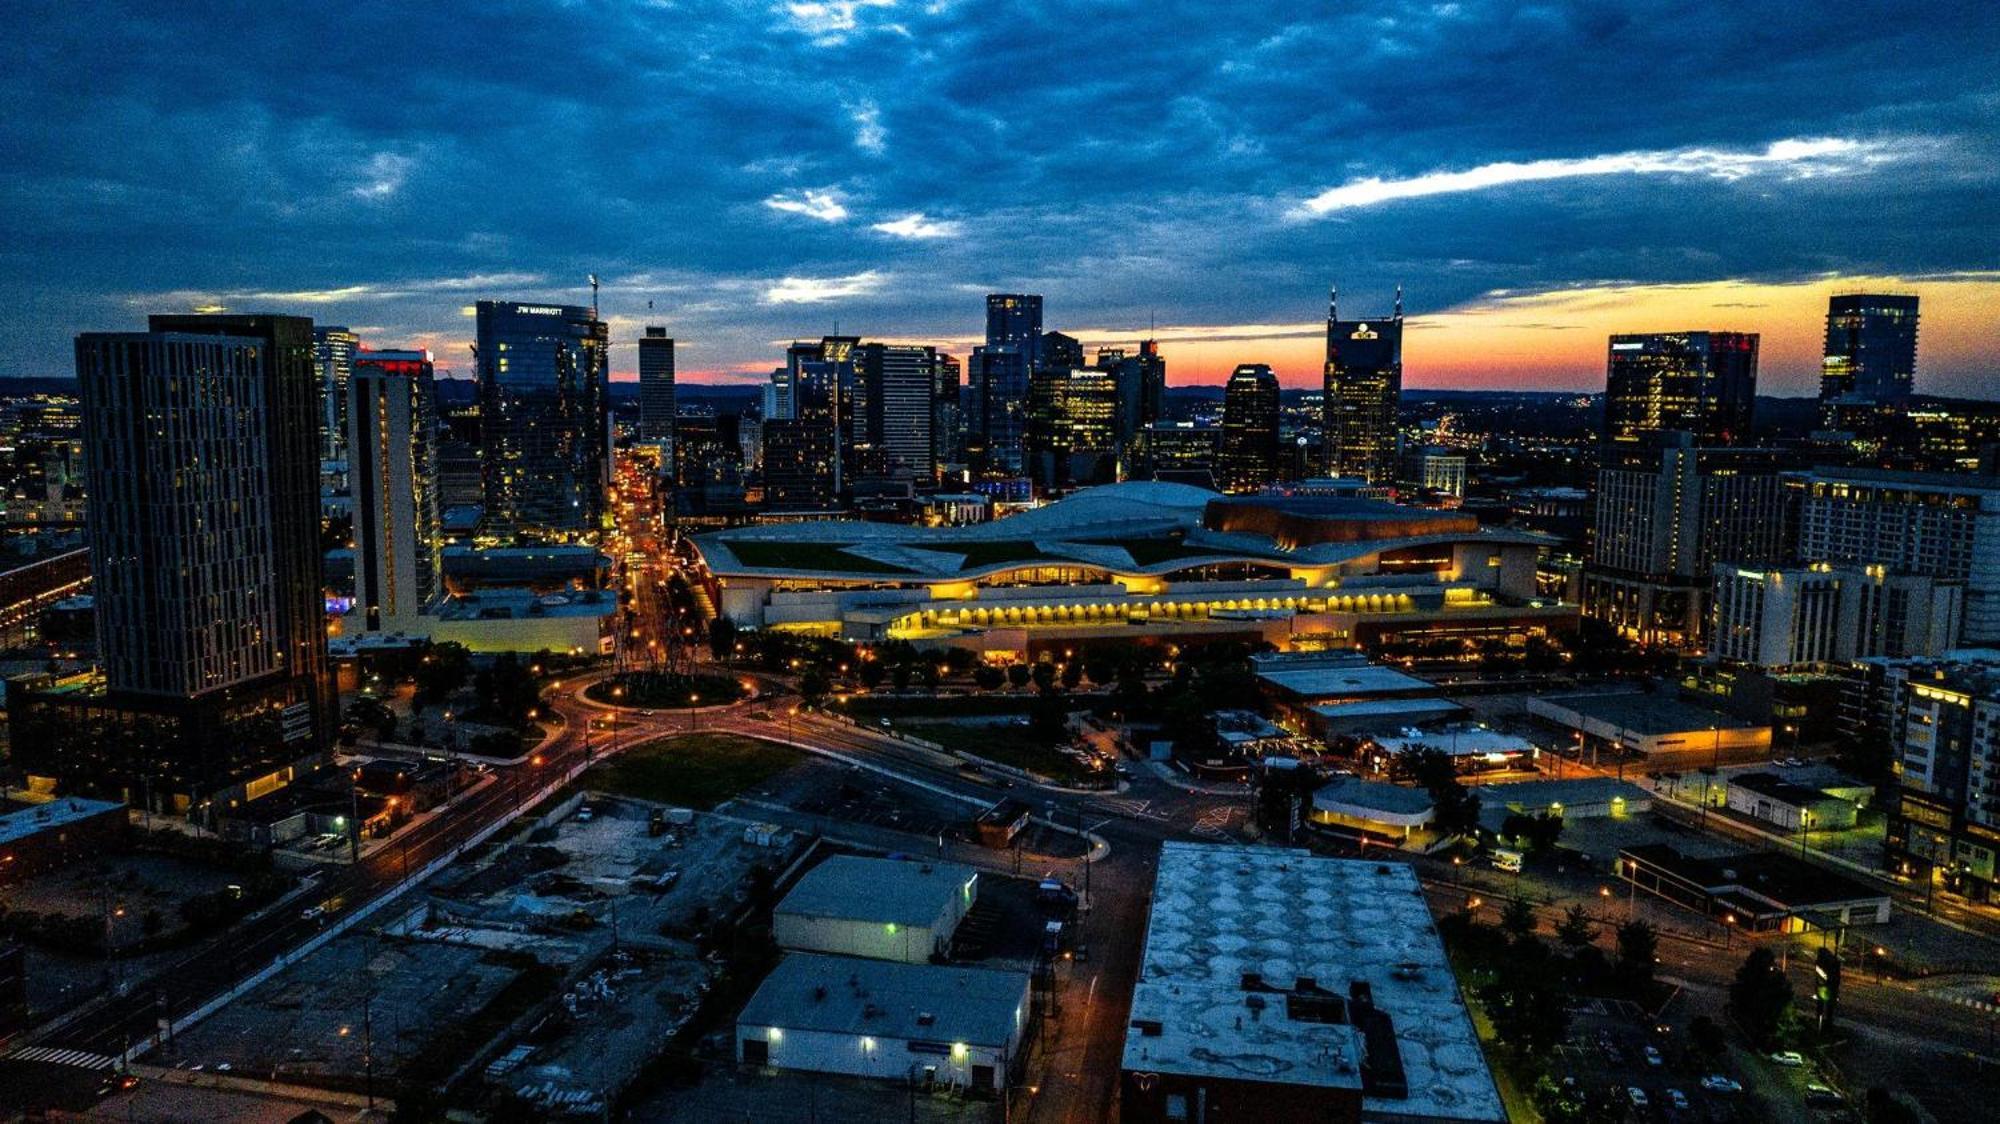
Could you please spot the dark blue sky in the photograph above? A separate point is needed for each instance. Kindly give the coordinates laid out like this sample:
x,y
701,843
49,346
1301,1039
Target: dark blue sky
x,y
1532,174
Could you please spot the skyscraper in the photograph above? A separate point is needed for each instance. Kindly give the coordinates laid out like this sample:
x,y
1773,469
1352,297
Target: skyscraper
x,y
333,356
202,438
392,473
1364,384
1014,320
1249,457
900,390
947,422
1703,383
656,389
1871,355
543,419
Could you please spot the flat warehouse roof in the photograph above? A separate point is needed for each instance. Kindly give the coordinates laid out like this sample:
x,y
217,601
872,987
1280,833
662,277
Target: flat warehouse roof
x,y
1646,714
889,999
880,891
1272,965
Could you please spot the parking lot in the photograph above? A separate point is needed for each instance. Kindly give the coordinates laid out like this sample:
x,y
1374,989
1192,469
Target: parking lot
x,y
1650,1066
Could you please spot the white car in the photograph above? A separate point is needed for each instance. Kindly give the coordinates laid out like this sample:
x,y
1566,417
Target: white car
x,y
1653,1057
1716,1083
1790,1059
1678,1099
1637,1095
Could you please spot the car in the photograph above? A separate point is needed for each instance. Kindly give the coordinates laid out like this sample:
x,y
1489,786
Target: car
x,y
223,1067
1817,1094
1790,1059
312,913
1653,1057
1678,1099
645,714
887,725
1637,1096
1717,1083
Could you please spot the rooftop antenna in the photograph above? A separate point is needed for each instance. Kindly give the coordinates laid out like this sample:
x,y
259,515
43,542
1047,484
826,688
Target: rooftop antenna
x,y
1332,304
593,296
1399,302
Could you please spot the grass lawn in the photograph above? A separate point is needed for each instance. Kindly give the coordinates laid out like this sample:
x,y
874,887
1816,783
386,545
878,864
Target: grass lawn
x,y
647,689
692,770
1003,742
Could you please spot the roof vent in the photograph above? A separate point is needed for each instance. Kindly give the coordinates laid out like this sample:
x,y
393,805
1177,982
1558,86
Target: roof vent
x,y
1253,981
1149,1028
925,1018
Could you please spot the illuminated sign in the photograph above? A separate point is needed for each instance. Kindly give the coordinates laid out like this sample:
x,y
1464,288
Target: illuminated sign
x,y
1364,332
1632,346
537,310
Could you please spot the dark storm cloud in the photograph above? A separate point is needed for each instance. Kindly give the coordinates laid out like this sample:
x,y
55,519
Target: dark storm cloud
x,y
759,171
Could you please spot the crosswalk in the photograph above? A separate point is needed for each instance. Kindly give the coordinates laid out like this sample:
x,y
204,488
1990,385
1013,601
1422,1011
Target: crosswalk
x,y
82,1059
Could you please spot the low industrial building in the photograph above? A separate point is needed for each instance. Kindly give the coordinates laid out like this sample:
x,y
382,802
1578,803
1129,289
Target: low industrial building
x,y
502,619
1140,561
1277,985
886,909
925,1024
1472,748
1369,716
1757,892
1788,805
1657,727
36,838
1581,798
1390,812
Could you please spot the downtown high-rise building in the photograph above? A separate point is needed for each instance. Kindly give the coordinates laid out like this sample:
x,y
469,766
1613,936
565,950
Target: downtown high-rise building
x,y
1667,512
202,439
1363,386
1702,383
998,374
656,389
899,392
333,356
1870,360
544,421
1249,456
947,418
393,478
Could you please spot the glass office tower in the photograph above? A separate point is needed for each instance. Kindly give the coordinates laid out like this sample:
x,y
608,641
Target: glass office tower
x,y
543,420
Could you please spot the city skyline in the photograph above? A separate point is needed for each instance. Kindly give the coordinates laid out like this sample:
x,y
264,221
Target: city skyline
x,y
1212,192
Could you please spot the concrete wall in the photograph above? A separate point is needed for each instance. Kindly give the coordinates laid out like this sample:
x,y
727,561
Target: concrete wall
x,y
911,944
1825,815
888,1058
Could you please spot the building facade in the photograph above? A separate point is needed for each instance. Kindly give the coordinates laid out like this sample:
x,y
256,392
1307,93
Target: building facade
x,y
900,392
1704,383
1870,359
203,439
656,390
1939,525
1249,459
392,472
544,425
1942,718
1363,386
333,355
1786,617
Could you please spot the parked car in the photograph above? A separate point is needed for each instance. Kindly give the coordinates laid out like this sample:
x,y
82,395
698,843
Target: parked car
x,y
1653,1057
1637,1095
1790,1059
1817,1094
1717,1083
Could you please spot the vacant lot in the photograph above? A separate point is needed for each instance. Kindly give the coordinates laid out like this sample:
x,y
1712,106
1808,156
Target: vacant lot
x,y
1005,742
692,770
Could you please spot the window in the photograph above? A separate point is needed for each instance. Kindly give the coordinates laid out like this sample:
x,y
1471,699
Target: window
x,y
982,1077
756,1051
1177,1108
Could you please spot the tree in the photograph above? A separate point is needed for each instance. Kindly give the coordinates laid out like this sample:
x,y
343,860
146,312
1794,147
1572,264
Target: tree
x,y
1048,717
872,674
1706,1036
441,671
722,638
1102,671
1072,675
1018,674
1761,996
1457,810
1518,917
1638,954
988,677
929,673
901,675
1044,674
1528,1016
1576,930
813,686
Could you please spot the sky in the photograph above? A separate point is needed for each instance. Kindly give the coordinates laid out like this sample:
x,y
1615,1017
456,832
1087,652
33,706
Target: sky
x,y
1535,176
